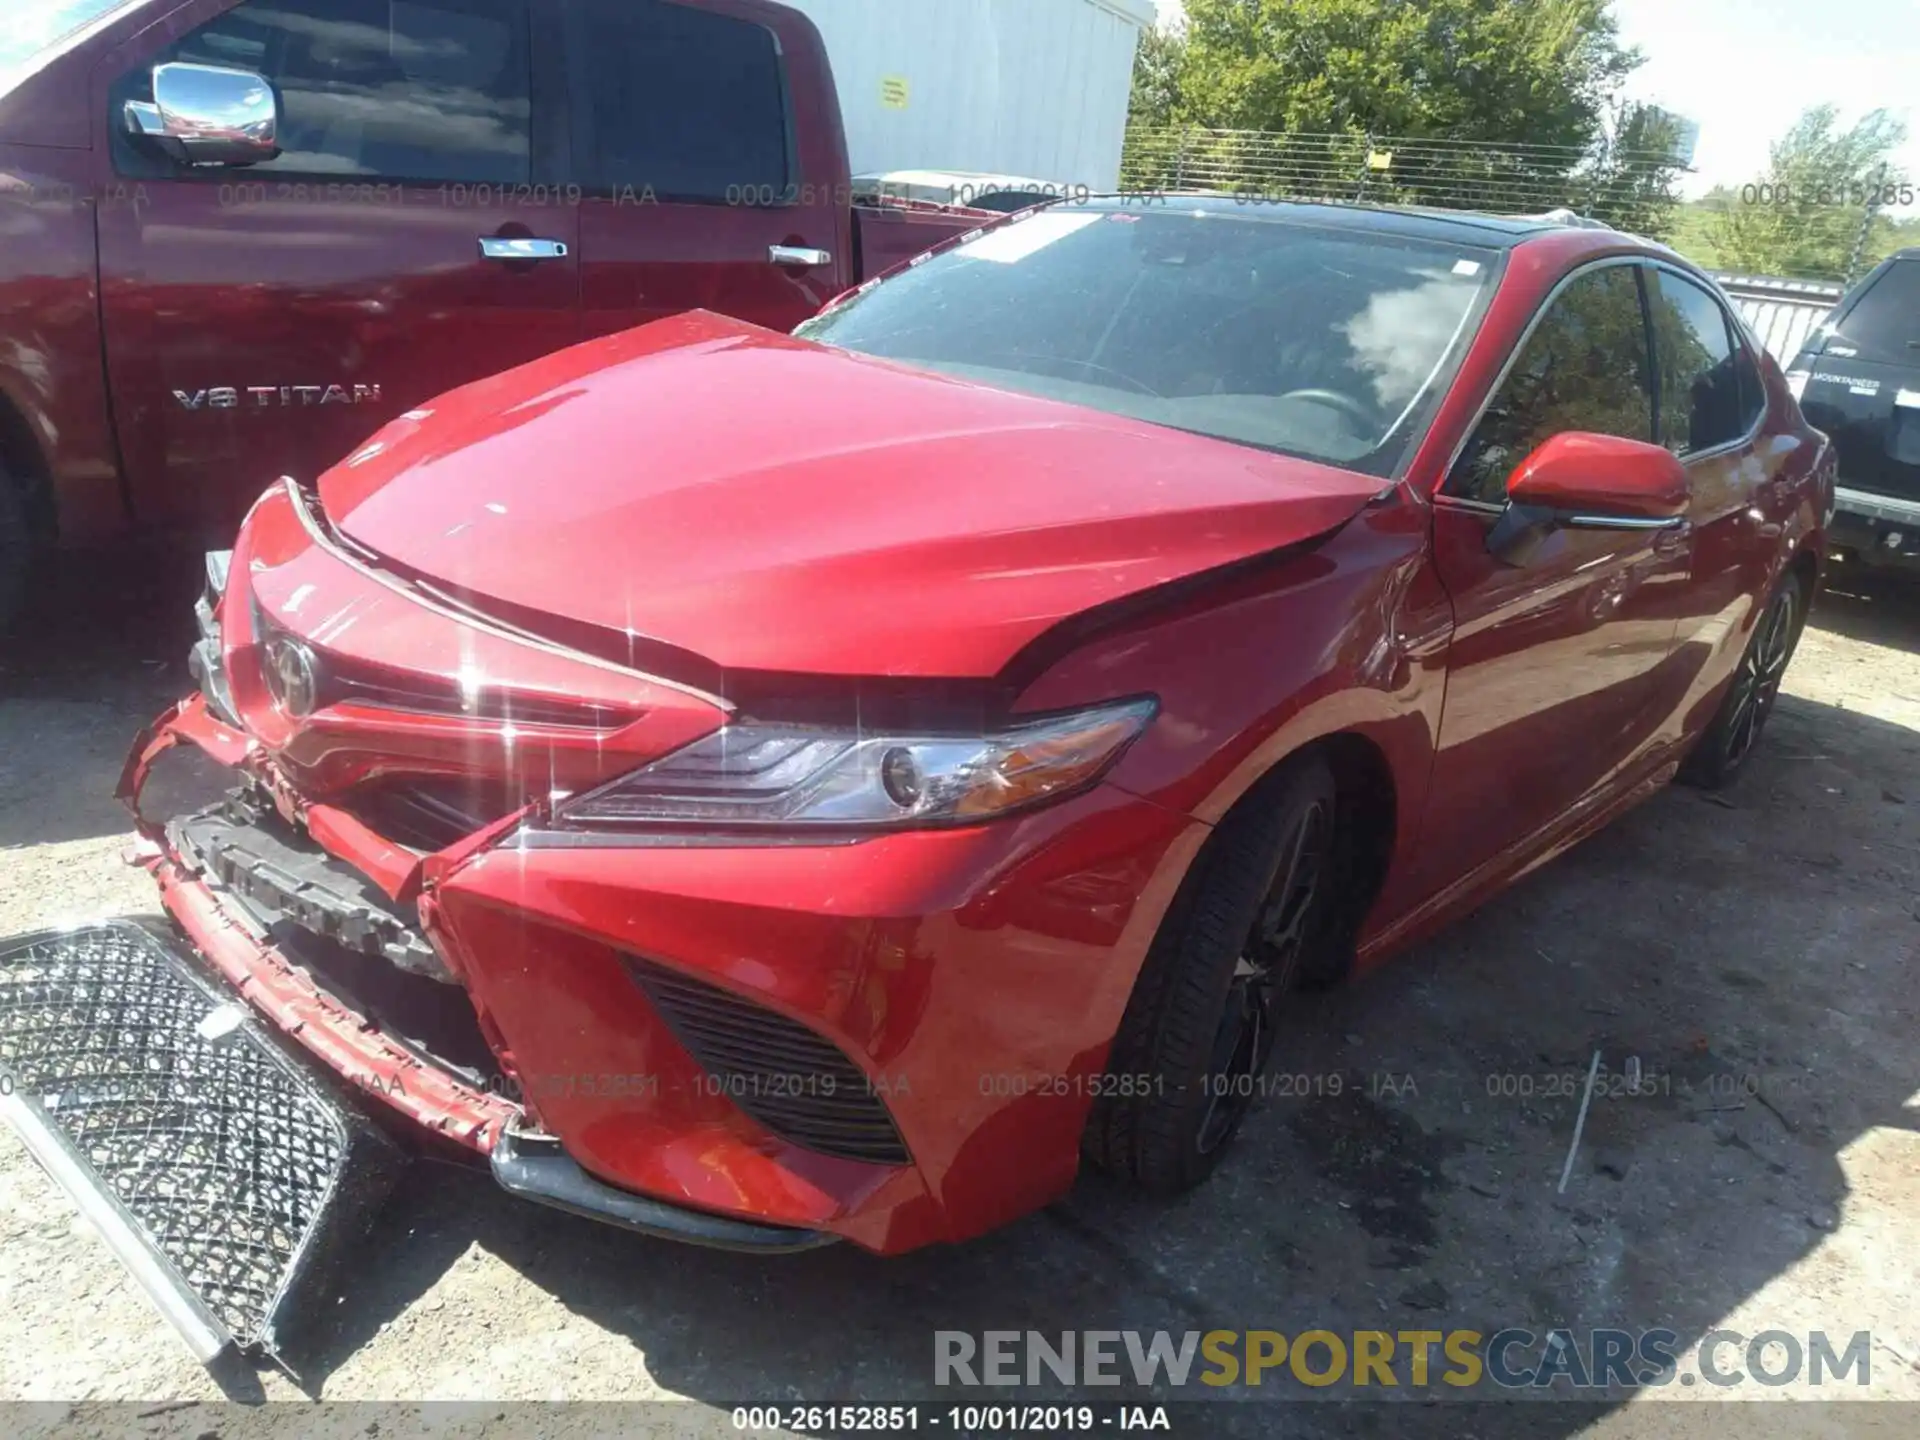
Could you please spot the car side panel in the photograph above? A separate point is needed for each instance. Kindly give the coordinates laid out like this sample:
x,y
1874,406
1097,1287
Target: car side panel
x,y
260,324
50,370
1348,638
1754,509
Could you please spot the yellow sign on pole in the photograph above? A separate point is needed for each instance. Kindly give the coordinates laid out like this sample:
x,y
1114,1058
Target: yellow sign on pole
x,y
1379,159
895,93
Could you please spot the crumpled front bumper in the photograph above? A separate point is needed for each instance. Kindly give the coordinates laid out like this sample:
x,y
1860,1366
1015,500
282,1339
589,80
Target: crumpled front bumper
x,y
963,986
223,924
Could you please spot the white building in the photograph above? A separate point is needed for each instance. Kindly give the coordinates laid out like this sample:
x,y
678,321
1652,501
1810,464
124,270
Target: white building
x,y
1017,87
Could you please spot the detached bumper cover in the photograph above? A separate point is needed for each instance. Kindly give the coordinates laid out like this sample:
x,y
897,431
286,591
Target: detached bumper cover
x,y
223,1174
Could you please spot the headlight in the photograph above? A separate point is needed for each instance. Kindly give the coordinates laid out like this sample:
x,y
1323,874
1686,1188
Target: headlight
x,y
758,774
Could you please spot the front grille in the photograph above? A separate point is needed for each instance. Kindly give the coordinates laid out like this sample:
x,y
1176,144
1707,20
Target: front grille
x,y
426,813
777,1070
230,1160
344,680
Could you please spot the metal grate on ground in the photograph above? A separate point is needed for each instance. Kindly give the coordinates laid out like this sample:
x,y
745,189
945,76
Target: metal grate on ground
x,y
224,1156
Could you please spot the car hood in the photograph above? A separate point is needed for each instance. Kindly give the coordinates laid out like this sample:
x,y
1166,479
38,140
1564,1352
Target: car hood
x,y
771,504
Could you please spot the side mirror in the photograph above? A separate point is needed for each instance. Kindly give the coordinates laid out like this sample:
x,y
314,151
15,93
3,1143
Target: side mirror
x,y
1583,481
208,115
1591,480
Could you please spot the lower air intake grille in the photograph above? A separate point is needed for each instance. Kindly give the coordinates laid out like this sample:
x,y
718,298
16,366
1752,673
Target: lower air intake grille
x,y
213,1147
782,1074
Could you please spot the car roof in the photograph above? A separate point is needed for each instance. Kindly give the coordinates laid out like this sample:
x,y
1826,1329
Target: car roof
x,y
1460,227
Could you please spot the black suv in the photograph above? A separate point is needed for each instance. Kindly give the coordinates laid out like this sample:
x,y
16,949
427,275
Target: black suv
x,y
1858,379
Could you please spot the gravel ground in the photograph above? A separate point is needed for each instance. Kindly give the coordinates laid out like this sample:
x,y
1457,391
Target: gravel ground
x,y
1758,949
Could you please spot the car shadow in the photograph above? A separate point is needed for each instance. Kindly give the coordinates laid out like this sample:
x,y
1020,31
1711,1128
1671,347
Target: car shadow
x,y
1875,606
104,631
1747,956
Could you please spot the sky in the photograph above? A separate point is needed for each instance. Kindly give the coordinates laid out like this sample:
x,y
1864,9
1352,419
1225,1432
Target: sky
x,y
1745,69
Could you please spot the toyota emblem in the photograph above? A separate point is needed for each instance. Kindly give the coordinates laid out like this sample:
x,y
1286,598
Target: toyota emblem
x,y
292,678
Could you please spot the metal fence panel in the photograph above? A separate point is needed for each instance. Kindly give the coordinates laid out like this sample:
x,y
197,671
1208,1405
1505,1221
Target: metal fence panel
x,y
1782,312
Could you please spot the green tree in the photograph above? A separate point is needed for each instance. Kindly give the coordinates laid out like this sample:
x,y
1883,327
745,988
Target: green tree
x,y
1156,77
1533,71
1289,96
1631,181
1805,217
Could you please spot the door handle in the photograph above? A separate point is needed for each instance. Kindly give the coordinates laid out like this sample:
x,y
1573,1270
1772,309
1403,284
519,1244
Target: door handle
x,y
509,247
1674,540
800,255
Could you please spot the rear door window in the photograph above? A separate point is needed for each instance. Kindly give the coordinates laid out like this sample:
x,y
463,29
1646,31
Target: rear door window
x,y
1753,389
685,103
1884,325
1698,401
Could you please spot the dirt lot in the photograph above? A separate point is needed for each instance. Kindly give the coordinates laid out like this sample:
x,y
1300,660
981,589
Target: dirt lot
x,y
1759,951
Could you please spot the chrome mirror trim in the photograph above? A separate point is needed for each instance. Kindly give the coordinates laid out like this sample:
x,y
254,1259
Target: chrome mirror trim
x,y
1621,522
208,115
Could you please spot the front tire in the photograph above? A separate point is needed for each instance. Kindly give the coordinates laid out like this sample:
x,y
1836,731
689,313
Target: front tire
x,y
1256,913
1722,753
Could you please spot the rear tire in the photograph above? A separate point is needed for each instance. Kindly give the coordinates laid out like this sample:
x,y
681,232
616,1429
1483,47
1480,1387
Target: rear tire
x,y
16,548
1257,911
1722,753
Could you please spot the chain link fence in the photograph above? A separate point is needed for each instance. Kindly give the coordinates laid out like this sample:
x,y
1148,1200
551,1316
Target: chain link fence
x,y
1629,189
1830,232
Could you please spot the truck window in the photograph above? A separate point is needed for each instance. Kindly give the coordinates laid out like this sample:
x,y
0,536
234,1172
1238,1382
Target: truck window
x,y
684,101
1885,324
429,90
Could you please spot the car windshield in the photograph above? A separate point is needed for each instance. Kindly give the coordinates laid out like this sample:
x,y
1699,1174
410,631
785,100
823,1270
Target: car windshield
x,y
32,25
1314,336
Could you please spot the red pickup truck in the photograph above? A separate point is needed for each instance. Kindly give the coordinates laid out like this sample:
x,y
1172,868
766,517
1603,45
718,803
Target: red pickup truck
x,y
238,236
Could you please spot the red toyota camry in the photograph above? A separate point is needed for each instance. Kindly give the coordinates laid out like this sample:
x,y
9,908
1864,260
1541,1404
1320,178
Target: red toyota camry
x,y
766,789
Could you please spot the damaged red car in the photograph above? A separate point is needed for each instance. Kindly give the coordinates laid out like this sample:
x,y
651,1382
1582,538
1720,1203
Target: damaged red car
x,y
769,789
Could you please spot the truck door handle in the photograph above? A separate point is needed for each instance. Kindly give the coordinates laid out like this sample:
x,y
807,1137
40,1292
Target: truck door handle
x,y
1673,540
799,255
510,247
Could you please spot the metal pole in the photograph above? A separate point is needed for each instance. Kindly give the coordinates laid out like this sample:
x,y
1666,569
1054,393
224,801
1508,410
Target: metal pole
x,y
1866,225
1601,164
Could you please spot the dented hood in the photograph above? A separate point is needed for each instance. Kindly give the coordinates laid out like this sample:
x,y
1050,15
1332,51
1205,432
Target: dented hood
x,y
771,504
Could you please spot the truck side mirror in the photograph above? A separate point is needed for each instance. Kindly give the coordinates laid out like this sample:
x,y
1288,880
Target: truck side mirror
x,y
208,115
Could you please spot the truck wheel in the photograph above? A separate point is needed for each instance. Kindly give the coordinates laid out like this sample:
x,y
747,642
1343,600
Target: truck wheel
x,y
1729,742
1257,910
16,549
